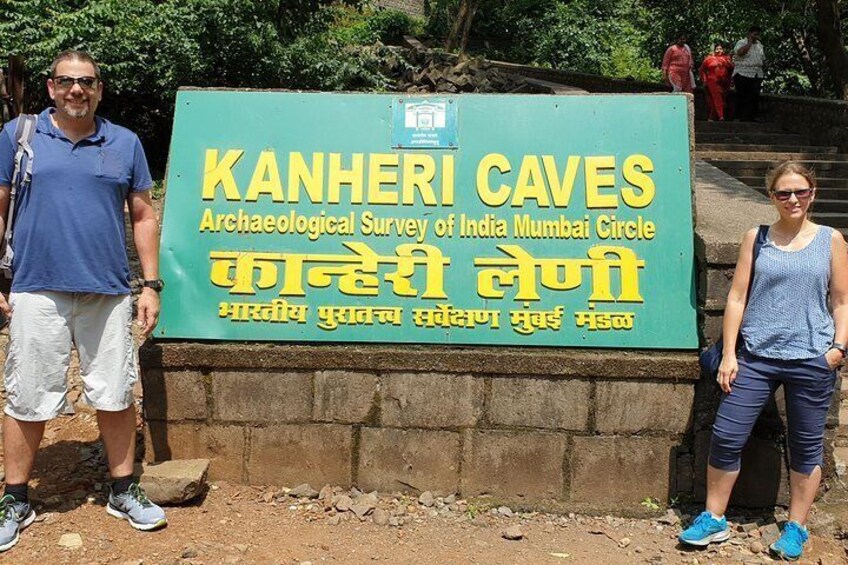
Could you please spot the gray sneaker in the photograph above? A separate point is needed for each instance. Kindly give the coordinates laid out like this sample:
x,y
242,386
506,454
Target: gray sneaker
x,y
134,507
14,517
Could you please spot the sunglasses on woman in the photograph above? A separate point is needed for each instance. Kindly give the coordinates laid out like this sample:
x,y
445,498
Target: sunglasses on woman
x,y
800,194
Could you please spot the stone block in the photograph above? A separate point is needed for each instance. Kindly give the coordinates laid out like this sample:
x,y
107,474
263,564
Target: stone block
x,y
763,480
627,407
430,400
501,463
224,446
712,321
318,454
174,482
393,460
344,397
173,395
540,403
715,284
262,397
610,472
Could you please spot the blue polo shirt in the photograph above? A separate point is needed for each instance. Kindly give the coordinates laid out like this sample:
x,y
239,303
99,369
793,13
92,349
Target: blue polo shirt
x,y
69,230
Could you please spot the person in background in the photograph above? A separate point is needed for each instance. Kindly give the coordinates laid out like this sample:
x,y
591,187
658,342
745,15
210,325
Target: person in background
x,y
793,327
749,59
677,66
715,73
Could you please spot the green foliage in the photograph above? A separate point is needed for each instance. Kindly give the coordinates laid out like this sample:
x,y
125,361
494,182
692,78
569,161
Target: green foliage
x,y
148,50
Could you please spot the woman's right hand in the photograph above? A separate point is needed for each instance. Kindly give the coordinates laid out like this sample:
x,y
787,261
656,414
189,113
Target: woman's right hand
x,y
727,372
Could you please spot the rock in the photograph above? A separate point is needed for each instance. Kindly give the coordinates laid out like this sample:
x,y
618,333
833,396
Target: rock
x,y
70,541
326,493
371,499
2,474
513,533
426,499
380,517
175,481
361,510
189,553
334,520
394,521
450,499
671,518
303,491
756,546
505,511
342,502
624,542
770,533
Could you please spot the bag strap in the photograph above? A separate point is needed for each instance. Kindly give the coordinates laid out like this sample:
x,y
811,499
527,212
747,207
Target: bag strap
x,y
21,177
762,237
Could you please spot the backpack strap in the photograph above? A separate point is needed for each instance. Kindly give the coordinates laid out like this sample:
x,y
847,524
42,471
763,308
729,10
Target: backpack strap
x,y
21,177
762,237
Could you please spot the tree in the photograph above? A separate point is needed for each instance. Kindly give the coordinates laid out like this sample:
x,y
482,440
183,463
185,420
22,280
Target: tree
x,y
462,25
829,19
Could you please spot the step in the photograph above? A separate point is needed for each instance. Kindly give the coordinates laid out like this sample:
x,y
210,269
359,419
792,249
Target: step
x,y
837,183
834,194
747,168
753,138
772,157
766,148
828,205
738,127
833,219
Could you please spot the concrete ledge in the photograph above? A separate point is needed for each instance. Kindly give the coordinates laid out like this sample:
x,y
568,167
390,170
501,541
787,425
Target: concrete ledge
x,y
725,209
606,364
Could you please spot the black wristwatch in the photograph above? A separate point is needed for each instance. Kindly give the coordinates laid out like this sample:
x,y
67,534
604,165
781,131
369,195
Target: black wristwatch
x,y
155,284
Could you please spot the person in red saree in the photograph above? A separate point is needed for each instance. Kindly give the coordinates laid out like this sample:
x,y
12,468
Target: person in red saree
x,y
715,74
677,66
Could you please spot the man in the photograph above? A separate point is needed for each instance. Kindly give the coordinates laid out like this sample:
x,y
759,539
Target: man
x,y
749,59
71,286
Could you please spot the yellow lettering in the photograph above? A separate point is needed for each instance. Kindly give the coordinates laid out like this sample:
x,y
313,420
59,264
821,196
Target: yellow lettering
x,y
377,177
338,176
530,183
419,169
484,190
447,180
635,172
220,172
312,180
266,179
595,180
561,192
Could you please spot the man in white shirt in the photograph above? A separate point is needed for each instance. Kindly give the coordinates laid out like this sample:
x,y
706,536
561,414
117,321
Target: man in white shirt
x,y
749,59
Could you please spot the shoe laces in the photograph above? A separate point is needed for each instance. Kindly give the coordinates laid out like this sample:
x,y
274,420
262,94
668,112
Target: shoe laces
x,y
138,494
703,519
4,506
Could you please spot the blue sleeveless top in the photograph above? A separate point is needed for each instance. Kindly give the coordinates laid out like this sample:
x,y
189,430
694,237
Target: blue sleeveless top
x,y
786,316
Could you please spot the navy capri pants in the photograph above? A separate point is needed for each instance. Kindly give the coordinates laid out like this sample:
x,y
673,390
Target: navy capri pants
x,y
808,389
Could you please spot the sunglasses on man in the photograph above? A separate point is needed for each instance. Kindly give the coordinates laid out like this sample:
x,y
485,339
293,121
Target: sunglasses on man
x,y
800,194
66,82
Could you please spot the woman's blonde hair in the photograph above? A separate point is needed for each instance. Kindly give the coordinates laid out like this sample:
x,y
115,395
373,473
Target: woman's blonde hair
x,y
788,168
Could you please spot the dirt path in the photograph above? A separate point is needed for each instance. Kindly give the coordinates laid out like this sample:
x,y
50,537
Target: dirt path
x,y
238,524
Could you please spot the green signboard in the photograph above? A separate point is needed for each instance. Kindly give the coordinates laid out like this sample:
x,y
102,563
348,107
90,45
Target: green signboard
x,y
472,219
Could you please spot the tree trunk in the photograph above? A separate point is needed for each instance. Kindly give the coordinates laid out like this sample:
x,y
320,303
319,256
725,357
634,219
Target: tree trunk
x,y
802,47
466,28
458,22
832,44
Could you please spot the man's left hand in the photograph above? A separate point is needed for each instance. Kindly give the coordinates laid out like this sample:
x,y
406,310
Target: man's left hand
x,y
148,310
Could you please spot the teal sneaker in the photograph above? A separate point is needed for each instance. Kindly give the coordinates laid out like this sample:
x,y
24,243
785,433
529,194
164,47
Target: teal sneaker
x,y
14,517
134,507
790,546
705,530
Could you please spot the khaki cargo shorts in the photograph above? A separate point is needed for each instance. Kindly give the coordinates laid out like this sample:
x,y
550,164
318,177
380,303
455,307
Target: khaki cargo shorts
x,y
43,328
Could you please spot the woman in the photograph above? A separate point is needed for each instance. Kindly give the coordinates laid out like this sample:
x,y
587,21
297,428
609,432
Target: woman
x,y
715,74
677,66
788,337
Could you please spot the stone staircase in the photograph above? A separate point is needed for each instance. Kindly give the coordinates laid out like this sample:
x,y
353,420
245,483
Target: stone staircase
x,y
746,150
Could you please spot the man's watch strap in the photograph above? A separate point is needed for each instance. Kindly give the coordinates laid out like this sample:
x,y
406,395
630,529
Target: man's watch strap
x,y
155,284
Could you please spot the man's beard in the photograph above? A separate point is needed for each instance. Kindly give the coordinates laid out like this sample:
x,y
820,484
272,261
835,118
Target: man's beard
x,y
78,114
